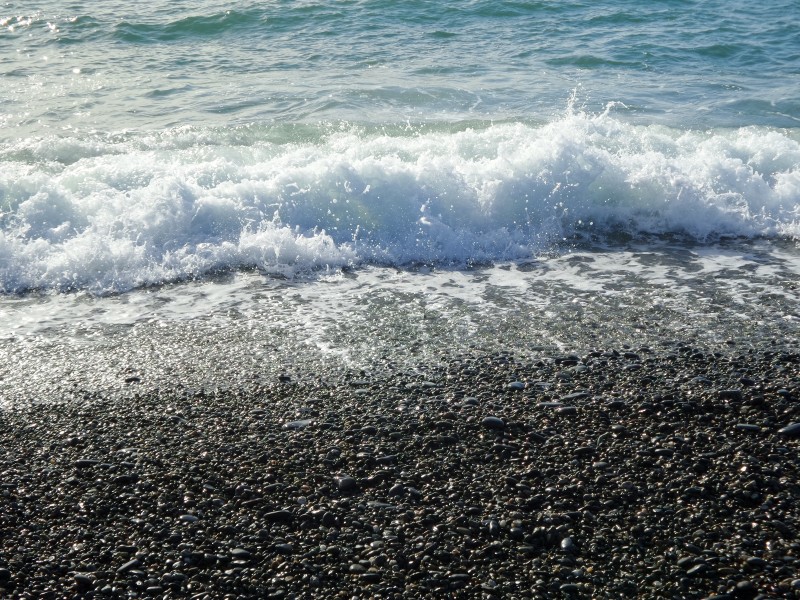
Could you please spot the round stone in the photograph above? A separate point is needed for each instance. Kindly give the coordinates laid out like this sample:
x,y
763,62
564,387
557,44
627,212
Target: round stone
x,y
493,423
345,483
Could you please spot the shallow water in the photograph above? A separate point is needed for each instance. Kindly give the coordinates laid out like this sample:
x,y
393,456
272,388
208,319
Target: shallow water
x,y
245,326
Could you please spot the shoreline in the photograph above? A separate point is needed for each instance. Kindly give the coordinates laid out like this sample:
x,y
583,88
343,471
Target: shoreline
x,y
614,473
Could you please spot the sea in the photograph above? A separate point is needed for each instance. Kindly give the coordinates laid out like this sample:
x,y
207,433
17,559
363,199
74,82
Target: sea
x,y
208,193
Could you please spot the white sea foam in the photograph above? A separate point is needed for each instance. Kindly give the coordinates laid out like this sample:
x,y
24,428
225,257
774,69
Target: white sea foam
x,y
112,214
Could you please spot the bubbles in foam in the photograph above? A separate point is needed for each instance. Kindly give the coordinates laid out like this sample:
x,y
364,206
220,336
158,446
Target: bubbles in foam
x,y
110,215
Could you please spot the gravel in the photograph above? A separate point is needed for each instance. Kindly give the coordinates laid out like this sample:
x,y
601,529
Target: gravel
x,y
674,479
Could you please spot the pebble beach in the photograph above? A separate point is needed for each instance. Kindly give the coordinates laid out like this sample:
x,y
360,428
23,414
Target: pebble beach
x,y
385,300
669,472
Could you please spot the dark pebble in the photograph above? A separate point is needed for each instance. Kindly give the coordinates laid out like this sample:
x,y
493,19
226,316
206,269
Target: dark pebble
x,y
749,428
357,568
791,430
568,546
345,483
574,396
745,589
83,580
697,570
286,549
130,565
493,423
569,588
279,516
756,563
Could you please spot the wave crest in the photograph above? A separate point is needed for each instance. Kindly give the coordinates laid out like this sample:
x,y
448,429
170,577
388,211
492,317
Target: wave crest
x,y
110,215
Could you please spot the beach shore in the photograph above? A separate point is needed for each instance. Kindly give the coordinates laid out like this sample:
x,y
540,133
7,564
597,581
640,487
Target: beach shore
x,y
620,472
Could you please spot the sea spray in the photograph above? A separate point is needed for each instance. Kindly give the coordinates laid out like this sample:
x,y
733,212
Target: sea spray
x,y
110,214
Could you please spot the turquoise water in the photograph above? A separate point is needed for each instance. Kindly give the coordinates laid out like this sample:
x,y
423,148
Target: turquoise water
x,y
143,143
109,66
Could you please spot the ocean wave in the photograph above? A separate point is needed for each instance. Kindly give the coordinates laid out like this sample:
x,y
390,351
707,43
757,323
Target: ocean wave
x,y
111,214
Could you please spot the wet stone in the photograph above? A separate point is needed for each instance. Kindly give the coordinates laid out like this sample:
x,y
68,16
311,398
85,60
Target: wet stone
x,y
357,568
570,588
756,563
83,580
733,395
574,396
493,423
550,405
748,427
345,483
279,516
792,430
697,570
189,518
129,566
568,546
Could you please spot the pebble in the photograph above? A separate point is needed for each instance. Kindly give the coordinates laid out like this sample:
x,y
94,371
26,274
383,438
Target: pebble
x,y
84,580
516,385
732,395
493,423
697,570
128,566
281,516
568,546
357,568
748,427
297,425
745,589
791,430
550,404
574,396
189,518
345,483
754,562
